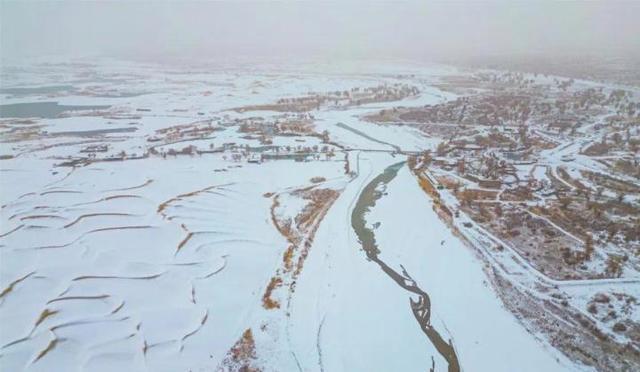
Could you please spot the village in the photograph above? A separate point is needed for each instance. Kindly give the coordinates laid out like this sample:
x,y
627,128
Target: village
x,y
547,172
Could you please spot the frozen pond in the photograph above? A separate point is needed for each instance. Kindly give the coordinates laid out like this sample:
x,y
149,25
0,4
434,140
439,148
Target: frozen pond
x,y
46,110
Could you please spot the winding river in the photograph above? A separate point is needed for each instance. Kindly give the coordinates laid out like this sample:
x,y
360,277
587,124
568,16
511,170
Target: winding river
x,y
422,307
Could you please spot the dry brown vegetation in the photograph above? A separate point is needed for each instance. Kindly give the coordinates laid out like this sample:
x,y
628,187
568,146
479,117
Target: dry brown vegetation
x,y
548,249
242,356
299,233
268,302
476,194
427,186
194,130
353,97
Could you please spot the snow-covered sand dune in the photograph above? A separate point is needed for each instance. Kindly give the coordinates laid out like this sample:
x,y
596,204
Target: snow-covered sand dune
x,y
145,264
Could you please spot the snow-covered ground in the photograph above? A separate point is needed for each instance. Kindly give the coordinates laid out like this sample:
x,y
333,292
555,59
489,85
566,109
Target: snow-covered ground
x,y
161,263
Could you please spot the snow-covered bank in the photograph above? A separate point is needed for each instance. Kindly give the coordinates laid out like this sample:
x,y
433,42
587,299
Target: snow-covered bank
x,y
485,334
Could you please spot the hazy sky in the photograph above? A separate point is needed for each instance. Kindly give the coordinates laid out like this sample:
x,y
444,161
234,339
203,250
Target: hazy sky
x,y
170,29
